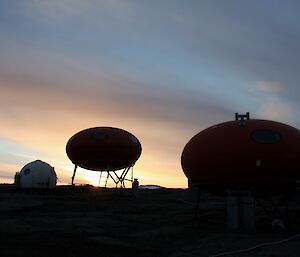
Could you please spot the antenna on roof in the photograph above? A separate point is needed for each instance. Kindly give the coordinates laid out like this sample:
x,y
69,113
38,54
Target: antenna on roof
x,y
242,117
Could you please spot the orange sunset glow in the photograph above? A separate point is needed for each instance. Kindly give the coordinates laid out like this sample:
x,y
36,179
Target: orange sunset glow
x,y
161,72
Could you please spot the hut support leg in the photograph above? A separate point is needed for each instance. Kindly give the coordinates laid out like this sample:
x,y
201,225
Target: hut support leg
x,y
73,177
121,179
99,182
106,179
198,202
279,211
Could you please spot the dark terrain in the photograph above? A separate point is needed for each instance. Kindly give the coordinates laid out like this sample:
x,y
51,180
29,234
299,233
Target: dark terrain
x,y
97,222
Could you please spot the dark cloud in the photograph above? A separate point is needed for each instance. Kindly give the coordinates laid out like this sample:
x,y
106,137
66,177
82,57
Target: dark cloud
x,y
256,40
170,66
123,97
251,41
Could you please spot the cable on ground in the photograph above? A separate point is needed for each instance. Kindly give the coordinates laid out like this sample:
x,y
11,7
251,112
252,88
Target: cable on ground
x,y
255,247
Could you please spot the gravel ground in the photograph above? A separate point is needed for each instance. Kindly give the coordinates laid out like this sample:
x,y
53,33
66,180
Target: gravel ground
x,y
97,222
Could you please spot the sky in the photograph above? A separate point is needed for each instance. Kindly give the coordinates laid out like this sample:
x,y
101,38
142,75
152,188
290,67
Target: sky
x,y
162,70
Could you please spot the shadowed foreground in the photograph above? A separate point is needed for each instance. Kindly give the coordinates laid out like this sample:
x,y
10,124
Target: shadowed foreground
x,y
94,222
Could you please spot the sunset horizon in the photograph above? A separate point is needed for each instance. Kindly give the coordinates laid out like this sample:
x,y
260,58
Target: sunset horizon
x,y
161,71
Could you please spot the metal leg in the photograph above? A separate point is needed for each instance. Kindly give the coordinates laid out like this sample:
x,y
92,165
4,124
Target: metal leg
x,y
123,176
279,211
73,177
107,179
198,202
99,179
268,212
119,178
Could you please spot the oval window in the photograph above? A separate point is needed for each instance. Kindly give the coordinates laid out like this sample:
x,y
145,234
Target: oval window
x,y
99,136
265,136
133,139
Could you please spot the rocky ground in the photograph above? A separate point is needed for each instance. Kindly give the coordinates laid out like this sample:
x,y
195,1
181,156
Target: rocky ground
x,y
96,222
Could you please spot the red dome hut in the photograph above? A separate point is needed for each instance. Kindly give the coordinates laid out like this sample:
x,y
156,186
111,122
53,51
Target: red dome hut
x,y
246,160
243,152
104,149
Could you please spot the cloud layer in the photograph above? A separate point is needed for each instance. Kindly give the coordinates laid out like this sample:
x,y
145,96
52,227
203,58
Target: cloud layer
x,y
160,70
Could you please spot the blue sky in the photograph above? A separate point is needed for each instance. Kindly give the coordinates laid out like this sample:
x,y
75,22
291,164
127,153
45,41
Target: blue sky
x,y
163,70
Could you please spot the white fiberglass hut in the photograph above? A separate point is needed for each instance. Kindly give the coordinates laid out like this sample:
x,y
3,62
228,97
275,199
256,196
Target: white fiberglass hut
x,y
37,174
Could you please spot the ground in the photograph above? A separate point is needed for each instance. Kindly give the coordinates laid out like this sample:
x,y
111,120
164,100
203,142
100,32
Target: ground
x,y
112,223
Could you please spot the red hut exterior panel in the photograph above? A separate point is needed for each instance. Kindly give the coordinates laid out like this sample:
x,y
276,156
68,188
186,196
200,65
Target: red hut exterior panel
x,y
259,151
103,148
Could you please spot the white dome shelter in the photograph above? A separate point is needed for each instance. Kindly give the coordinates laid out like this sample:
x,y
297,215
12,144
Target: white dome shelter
x,y
37,174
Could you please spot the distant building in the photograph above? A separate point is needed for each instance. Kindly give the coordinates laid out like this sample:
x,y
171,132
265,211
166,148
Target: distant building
x,y
150,187
36,174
